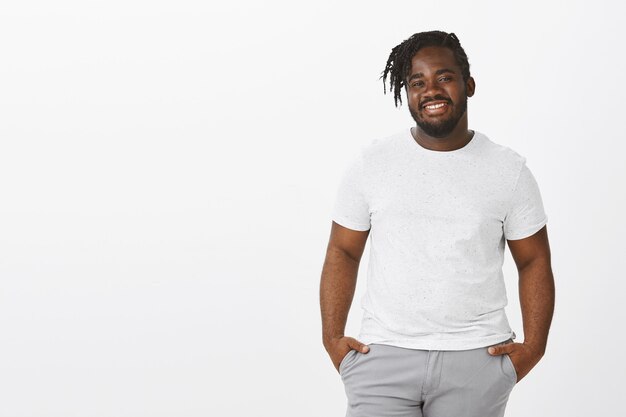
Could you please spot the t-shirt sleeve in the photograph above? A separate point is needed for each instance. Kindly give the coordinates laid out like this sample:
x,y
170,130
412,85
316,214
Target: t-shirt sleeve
x,y
526,214
351,208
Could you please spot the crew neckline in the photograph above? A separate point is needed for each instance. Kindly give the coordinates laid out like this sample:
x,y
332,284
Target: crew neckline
x,y
468,146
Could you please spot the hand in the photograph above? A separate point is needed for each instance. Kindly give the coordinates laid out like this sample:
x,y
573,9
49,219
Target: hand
x,y
339,347
523,356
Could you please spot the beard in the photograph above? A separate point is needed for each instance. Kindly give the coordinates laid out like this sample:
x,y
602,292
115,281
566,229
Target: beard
x,y
444,127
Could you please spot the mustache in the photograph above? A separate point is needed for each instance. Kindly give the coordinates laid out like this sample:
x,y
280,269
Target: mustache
x,y
436,98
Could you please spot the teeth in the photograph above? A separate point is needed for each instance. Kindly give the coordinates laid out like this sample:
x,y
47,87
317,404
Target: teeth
x,y
435,106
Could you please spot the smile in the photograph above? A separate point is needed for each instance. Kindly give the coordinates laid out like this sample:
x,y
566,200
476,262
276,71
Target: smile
x,y
436,108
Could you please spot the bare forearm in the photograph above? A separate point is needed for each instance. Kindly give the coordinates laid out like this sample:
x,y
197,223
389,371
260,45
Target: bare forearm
x,y
536,291
337,287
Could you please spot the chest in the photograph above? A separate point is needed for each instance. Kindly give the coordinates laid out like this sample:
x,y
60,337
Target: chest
x,y
458,196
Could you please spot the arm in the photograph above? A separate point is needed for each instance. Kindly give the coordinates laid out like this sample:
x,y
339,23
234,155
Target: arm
x,y
536,287
338,283
536,290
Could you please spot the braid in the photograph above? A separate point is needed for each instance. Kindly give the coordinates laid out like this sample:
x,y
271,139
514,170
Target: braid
x,y
399,61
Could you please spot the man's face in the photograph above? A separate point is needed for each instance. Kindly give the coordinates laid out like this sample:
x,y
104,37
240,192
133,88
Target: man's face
x,y
436,92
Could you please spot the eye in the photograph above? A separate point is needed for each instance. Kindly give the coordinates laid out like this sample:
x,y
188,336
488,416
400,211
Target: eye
x,y
445,79
417,84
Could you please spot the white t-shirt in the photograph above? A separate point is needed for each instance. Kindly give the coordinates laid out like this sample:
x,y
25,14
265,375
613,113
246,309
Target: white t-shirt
x,y
438,220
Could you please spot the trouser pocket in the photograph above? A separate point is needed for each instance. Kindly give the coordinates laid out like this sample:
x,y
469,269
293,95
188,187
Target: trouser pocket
x,y
346,359
511,367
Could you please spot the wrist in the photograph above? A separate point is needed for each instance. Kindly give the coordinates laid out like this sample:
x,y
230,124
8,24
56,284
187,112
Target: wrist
x,y
538,349
327,340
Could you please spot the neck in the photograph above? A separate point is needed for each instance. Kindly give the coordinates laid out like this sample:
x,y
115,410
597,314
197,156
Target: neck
x,y
457,139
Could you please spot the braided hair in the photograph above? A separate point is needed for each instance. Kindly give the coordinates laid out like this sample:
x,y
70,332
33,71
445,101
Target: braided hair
x,y
399,61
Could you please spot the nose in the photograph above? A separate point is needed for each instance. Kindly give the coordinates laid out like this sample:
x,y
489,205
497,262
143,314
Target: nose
x,y
432,89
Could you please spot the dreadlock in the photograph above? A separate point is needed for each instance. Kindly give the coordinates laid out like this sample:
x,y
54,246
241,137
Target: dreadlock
x,y
399,61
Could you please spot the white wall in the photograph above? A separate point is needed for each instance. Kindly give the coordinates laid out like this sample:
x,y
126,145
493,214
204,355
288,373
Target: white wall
x,y
167,171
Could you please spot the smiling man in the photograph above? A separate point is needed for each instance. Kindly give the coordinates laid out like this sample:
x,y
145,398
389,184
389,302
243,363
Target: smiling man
x,y
438,202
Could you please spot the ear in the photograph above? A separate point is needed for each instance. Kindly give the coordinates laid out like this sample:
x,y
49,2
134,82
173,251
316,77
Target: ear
x,y
470,86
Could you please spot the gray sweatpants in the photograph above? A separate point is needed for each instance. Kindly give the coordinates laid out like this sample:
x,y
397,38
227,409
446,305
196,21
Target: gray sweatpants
x,y
390,381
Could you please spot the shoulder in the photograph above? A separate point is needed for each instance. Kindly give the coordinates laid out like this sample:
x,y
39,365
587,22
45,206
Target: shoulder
x,y
502,157
383,149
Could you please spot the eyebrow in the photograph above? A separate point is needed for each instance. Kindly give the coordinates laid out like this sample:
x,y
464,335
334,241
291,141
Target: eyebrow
x,y
439,71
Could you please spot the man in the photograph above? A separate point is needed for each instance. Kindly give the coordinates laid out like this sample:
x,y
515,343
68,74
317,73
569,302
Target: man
x,y
438,202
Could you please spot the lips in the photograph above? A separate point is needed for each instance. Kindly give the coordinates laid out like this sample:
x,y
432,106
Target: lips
x,y
436,107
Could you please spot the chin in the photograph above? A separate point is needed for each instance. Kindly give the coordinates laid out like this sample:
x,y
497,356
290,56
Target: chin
x,y
438,130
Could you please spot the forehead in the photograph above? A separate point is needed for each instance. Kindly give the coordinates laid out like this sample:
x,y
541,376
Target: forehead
x,y
431,58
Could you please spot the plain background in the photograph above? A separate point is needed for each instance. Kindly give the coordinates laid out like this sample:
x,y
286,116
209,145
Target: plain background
x,y
167,171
